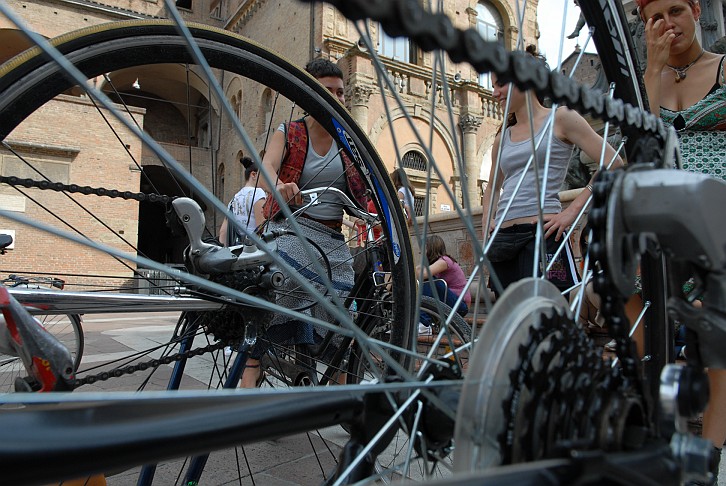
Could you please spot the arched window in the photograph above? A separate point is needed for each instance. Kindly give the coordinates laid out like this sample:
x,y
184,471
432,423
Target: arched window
x,y
489,24
266,111
414,159
220,180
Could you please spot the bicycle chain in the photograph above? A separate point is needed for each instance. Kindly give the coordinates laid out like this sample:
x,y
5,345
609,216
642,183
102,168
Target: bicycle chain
x,y
152,363
436,31
613,303
87,190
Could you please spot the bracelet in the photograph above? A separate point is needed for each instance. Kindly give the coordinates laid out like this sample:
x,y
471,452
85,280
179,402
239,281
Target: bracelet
x,y
589,186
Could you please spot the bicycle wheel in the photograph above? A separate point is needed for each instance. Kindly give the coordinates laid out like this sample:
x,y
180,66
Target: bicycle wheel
x,y
66,328
444,355
112,50
435,129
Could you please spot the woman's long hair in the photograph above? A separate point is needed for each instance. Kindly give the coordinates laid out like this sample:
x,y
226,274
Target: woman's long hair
x,y
400,179
435,249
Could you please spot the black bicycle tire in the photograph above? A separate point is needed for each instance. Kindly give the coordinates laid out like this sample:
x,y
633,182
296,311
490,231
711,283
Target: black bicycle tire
x,y
76,327
77,324
108,47
457,324
30,73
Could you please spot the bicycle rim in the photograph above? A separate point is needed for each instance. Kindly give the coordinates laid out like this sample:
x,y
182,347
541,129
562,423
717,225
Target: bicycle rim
x,y
115,49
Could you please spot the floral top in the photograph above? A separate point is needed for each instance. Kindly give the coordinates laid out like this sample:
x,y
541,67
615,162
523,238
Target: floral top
x,y
702,131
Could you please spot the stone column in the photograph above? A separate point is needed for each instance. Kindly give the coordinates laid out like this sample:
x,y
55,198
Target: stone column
x,y
359,96
469,125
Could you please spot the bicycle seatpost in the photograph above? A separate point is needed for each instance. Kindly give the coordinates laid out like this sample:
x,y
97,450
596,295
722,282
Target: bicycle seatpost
x,y
47,361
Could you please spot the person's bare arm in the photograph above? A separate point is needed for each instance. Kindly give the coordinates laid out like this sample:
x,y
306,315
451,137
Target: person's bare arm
x,y
658,42
223,232
573,127
435,268
257,210
271,163
495,184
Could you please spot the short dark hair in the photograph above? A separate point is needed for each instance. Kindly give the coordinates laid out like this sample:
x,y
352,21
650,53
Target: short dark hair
x,y
323,68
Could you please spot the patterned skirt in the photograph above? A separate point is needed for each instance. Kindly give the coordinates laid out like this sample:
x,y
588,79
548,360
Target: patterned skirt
x,y
283,329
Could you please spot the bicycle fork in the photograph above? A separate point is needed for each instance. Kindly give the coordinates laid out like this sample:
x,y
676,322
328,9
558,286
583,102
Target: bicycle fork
x,y
47,361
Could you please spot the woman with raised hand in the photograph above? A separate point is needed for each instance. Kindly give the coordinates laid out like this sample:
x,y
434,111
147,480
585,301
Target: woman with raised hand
x,y
685,85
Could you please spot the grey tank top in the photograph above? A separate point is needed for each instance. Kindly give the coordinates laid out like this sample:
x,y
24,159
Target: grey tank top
x,y
321,171
515,156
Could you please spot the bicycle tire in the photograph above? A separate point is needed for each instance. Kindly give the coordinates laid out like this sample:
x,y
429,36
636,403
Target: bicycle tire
x,y
521,74
106,48
443,354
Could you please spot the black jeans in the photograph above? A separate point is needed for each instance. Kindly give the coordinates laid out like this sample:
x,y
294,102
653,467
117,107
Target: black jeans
x,y
512,258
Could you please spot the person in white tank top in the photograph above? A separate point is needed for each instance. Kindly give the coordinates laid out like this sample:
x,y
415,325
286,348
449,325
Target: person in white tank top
x,y
246,205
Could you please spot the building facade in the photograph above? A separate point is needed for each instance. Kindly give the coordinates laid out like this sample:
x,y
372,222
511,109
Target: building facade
x,y
69,139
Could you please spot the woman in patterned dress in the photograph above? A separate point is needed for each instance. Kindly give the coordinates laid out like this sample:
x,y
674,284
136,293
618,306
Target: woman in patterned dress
x,y
686,88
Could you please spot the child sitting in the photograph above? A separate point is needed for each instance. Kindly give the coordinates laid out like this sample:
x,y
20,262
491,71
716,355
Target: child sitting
x,y
447,278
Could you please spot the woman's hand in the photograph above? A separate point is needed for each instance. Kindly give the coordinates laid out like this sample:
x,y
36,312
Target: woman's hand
x,y
557,224
658,40
289,192
487,229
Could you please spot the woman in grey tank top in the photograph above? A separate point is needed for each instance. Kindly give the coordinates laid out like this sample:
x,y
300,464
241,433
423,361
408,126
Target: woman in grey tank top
x,y
322,167
517,189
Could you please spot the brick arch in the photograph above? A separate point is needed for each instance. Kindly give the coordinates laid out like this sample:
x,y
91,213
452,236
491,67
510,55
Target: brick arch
x,y
440,128
443,152
12,42
165,81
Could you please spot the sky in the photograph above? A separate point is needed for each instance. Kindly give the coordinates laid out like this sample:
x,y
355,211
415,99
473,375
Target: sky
x,y
549,17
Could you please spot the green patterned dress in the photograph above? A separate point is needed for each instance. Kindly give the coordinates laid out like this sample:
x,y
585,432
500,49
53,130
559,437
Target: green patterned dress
x,y
702,131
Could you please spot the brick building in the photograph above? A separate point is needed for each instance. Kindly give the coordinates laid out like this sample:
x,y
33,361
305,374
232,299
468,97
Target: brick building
x,y
70,141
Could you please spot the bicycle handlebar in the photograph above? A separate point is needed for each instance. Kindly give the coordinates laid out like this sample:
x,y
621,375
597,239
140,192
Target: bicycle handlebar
x,y
20,280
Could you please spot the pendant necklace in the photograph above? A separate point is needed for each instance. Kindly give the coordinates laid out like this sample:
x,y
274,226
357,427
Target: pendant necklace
x,y
681,71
